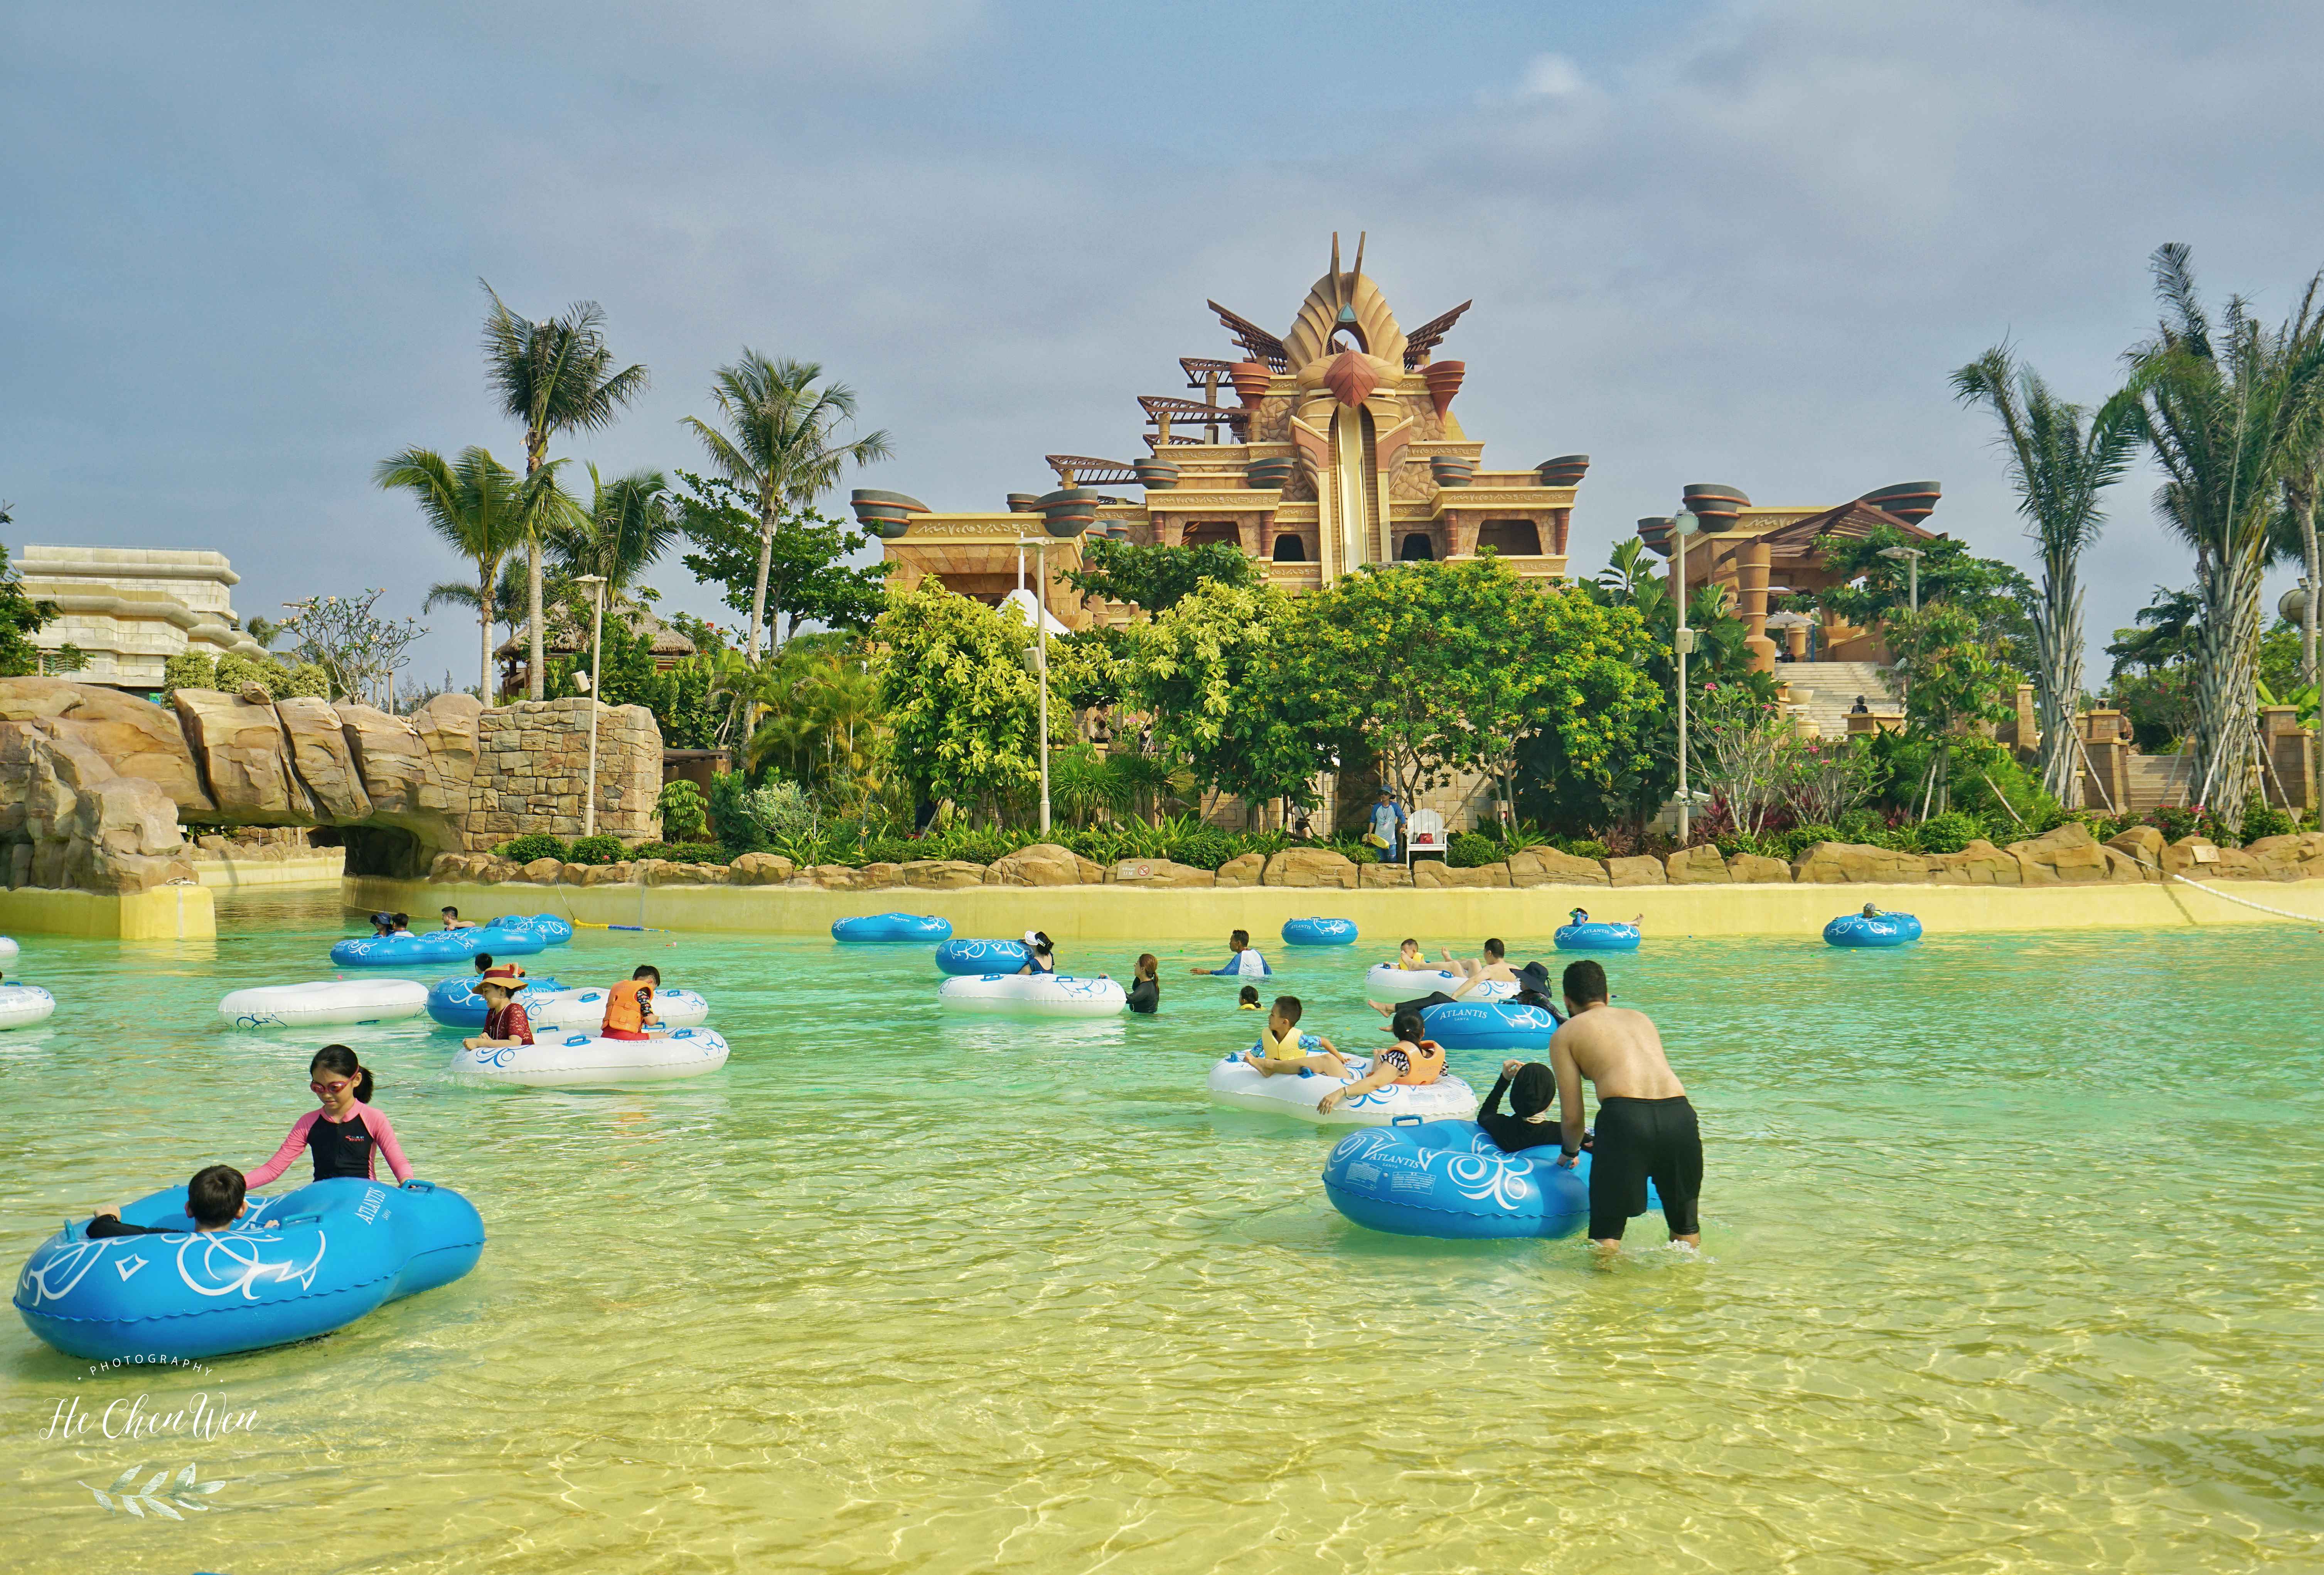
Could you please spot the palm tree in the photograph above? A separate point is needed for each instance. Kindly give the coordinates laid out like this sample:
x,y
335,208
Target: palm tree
x,y
627,526
778,445
554,376
2228,414
2060,467
477,504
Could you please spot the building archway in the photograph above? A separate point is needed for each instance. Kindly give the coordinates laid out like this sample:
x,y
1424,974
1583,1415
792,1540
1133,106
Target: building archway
x,y
1213,533
1290,548
1510,538
1415,547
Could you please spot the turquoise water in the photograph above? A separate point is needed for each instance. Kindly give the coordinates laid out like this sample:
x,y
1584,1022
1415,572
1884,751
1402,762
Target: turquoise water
x,y
2010,1265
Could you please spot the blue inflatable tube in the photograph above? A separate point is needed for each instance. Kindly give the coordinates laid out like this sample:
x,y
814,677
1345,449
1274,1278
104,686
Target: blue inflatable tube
x,y
552,929
1319,932
435,946
1595,937
1490,1026
1887,929
982,956
1449,1180
455,1003
888,928
339,1248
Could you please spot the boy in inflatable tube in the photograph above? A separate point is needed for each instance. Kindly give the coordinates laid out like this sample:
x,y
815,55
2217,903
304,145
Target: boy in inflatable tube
x,y
214,1198
1281,1043
1647,1128
1412,1060
629,1006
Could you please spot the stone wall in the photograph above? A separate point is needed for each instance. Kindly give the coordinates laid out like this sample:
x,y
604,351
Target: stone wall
x,y
531,762
94,783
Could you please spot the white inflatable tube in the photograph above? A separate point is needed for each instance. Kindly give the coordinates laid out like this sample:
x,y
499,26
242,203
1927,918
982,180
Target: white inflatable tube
x,y
568,1060
1388,984
1234,1083
324,1001
586,1008
7,950
1037,995
23,1004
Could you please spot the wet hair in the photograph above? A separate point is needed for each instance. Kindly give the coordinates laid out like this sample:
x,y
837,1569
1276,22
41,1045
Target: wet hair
x,y
1531,1089
646,970
340,1061
1407,941
215,1195
1288,1008
402,921
1493,949
449,909
1407,1025
484,962
1585,982
1250,995
1240,941
1148,965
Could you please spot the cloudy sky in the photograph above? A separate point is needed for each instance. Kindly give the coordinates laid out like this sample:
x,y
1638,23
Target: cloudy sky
x,y
1741,243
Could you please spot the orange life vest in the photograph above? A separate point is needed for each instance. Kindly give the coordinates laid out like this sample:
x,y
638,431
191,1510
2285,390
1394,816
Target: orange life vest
x,y
1428,1063
626,1005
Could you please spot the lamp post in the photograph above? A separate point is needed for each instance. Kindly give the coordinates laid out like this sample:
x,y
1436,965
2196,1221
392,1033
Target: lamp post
x,y
596,583
1683,524
1911,558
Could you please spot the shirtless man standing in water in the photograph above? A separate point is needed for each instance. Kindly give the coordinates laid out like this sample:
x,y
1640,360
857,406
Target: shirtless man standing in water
x,y
1646,1128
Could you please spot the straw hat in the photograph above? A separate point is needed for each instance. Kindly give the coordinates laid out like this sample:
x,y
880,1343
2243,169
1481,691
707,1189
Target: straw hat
x,y
508,976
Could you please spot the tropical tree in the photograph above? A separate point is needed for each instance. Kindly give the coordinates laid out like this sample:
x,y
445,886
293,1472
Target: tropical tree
x,y
2060,466
1872,589
778,444
1954,679
963,700
553,376
2229,412
478,506
1157,578
1212,669
21,618
806,575
627,526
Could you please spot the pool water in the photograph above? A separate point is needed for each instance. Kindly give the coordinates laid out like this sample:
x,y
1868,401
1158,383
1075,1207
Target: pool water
x,y
2010,1265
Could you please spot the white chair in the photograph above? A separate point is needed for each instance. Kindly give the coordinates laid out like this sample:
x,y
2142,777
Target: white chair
x,y
1423,832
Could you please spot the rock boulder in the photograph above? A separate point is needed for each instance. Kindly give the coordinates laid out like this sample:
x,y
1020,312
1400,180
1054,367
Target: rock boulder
x,y
1310,866
1698,866
245,757
1546,866
135,737
1758,869
763,870
1242,870
1380,877
1158,874
1858,864
324,762
1642,870
1044,864
942,874
1979,864
2065,855
1436,875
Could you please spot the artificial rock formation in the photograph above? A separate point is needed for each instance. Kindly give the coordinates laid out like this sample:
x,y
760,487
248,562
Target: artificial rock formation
x,y
453,778
1044,864
1309,867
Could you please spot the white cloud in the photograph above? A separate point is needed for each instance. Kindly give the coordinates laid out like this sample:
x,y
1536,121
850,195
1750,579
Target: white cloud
x,y
1550,76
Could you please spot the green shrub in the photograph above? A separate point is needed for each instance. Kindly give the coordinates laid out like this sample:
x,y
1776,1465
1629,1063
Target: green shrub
x,y
235,671
533,845
301,678
683,811
730,814
1791,843
600,849
1581,847
2173,821
1949,833
681,853
189,669
1473,850
2265,820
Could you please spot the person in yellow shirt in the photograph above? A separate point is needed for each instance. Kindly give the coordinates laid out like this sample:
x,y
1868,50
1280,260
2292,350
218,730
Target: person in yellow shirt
x,y
629,1006
1285,1050
1409,960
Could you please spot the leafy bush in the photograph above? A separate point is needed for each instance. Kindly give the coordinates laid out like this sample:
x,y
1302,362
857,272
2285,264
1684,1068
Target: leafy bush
x,y
730,814
2173,821
301,678
533,845
781,809
1949,833
2265,820
1792,842
1581,847
1473,850
189,669
600,849
682,809
234,672
680,853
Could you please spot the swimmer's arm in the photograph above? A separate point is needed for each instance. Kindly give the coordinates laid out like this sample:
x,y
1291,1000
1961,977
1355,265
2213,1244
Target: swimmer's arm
x,y
1569,1095
1492,1105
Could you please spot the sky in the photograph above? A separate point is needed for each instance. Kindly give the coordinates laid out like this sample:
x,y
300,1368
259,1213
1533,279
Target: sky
x,y
240,247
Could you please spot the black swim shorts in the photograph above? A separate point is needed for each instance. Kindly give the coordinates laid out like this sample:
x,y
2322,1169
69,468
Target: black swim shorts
x,y
1639,1141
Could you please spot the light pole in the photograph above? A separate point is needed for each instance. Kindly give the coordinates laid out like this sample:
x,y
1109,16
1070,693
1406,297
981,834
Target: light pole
x,y
1683,524
1041,658
1912,556
596,583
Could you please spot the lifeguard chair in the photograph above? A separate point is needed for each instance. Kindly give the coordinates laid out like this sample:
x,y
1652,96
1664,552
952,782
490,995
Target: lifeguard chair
x,y
1423,832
